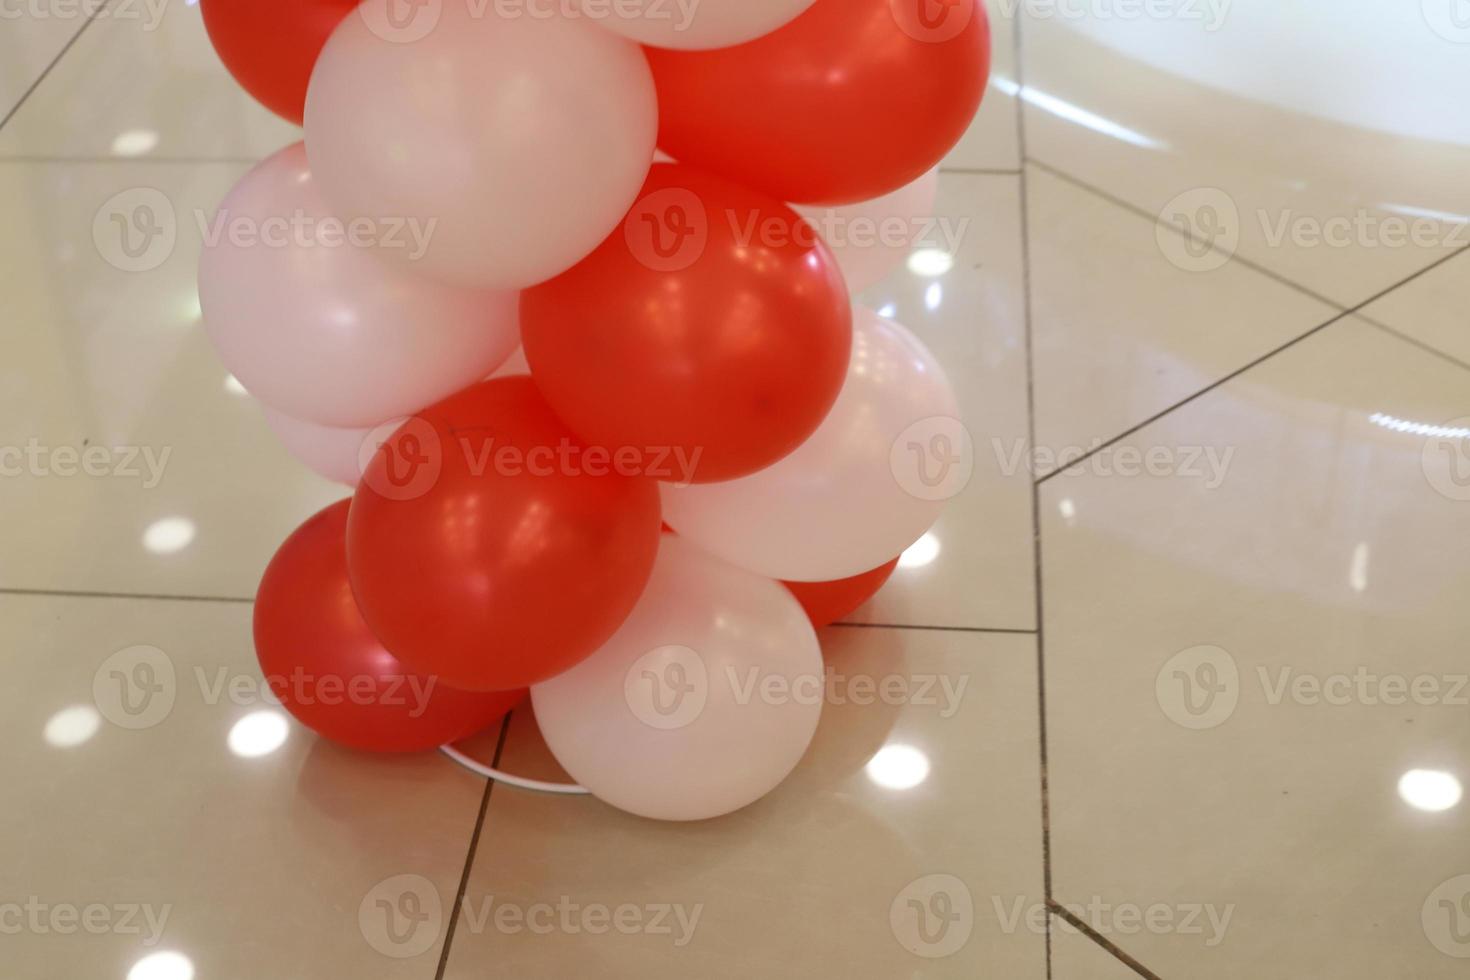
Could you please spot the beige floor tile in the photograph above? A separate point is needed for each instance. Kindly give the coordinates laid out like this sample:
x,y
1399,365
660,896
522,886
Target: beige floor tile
x,y
1433,309
992,140
1076,957
1239,130
254,857
817,879
93,356
143,81
1240,676
1120,333
973,317
27,45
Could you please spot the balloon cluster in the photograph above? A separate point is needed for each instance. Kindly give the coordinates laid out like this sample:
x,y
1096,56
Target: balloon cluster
x,y
627,196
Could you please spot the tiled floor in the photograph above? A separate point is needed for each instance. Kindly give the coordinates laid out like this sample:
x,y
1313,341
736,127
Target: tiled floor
x,y
1192,641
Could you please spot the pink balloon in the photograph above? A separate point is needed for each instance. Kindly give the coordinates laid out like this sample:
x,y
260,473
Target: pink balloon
x,y
524,134
872,238
701,703
867,484
315,324
330,452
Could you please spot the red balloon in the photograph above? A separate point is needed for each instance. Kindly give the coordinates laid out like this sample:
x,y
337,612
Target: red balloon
x,y
488,546
852,100
827,602
271,46
713,322
328,669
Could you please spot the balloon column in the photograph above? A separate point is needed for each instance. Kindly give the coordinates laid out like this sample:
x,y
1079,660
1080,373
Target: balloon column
x,y
476,176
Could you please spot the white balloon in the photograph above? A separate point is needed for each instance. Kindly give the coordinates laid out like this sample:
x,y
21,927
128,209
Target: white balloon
x,y
871,238
318,326
867,484
525,137
701,24
329,452
701,703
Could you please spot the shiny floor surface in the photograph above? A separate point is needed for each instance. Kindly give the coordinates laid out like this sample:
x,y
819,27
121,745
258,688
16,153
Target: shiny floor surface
x,y
1184,668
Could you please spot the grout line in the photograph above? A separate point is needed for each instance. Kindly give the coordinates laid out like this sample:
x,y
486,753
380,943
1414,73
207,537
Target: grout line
x,y
47,70
83,594
1426,348
1061,912
1345,314
942,629
1036,550
1153,219
469,859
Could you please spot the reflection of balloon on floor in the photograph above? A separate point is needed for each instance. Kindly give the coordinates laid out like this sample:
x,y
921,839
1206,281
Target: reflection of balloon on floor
x,y
471,179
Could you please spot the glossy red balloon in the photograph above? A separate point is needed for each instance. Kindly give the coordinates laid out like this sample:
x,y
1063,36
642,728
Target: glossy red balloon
x,y
852,100
330,671
271,46
827,602
488,546
713,322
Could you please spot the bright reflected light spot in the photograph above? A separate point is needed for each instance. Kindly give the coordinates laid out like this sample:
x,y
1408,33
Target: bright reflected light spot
x,y
259,733
169,535
1067,509
72,726
1410,211
888,311
930,262
134,143
934,295
1430,790
163,966
1075,114
898,767
1003,84
1419,428
1358,573
922,552
233,385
